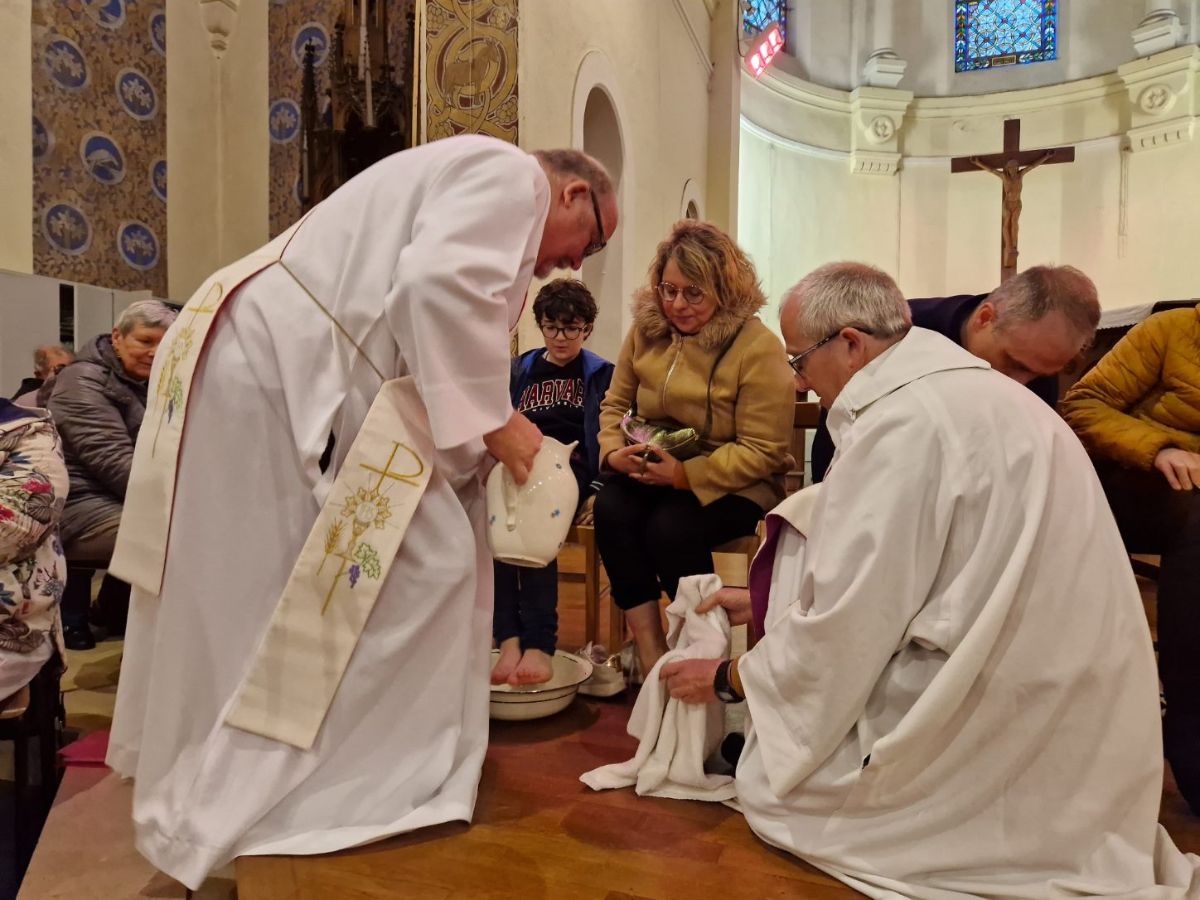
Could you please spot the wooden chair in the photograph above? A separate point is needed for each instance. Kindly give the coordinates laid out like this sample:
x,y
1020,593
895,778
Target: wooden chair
x,y
33,717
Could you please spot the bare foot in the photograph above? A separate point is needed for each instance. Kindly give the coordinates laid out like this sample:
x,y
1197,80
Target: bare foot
x,y
510,655
534,668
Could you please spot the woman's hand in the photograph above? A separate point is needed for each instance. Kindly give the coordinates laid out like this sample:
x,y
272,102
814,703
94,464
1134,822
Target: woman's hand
x,y
736,602
627,460
660,468
585,516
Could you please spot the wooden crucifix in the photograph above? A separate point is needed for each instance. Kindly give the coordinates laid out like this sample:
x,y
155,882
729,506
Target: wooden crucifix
x,y
1010,167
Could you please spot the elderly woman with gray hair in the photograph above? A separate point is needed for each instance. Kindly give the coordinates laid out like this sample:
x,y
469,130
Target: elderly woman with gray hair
x,y
98,402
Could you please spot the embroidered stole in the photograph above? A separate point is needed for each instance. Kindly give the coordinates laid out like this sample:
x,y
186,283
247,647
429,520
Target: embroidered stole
x,y
345,560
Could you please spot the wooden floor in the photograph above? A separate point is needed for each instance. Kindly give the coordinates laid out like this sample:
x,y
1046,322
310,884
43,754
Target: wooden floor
x,y
538,832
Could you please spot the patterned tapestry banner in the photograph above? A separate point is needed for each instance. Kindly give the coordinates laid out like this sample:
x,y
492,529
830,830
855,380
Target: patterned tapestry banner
x,y
99,142
471,68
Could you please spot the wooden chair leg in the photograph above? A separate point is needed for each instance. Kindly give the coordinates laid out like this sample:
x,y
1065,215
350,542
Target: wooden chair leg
x,y
22,795
591,584
616,627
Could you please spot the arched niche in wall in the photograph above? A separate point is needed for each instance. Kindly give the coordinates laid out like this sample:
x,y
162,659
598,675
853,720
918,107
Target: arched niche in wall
x,y
690,206
598,130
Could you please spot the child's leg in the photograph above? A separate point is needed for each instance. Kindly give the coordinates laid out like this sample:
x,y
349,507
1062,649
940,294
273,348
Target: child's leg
x,y
506,621
539,624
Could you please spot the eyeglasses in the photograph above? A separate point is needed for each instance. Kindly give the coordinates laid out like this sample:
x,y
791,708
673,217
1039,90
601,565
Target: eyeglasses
x,y
600,243
797,361
668,292
570,332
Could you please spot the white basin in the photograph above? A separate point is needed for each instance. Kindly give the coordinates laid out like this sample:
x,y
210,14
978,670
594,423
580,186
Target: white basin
x,y
535,701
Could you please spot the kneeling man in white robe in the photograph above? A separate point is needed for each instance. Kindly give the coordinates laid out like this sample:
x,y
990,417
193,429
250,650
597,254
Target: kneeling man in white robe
x,y
306,660
956,694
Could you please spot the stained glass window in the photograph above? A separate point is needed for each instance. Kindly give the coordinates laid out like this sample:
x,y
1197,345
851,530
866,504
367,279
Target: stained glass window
x,y
992,33
758,14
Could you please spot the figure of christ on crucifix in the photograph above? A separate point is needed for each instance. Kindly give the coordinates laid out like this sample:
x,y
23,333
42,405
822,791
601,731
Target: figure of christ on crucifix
x,y
1010,167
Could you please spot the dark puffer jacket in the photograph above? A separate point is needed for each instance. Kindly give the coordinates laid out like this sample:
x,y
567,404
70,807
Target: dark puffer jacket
x,y
98,411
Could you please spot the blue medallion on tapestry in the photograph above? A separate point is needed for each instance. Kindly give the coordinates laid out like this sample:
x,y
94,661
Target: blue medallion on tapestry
x,y
66,228
136,94
65,63
43,141
314,33
137,245
158,178
102,157
109,13
284,121
158,31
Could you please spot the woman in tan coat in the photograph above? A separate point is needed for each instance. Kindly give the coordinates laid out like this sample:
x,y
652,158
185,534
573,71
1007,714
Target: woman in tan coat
x,y
697,357
1138,414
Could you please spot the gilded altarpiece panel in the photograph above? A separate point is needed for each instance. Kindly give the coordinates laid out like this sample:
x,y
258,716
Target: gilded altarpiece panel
x,y
291,24
471,68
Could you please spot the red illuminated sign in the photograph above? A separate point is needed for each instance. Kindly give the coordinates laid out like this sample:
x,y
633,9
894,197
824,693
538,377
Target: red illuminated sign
x,y
764,50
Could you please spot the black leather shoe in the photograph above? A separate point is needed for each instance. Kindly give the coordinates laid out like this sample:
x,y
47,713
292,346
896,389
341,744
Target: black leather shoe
x,y
78,637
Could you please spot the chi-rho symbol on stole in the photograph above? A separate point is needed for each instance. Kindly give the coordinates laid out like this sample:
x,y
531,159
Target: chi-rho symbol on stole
x,y
340,572
365,509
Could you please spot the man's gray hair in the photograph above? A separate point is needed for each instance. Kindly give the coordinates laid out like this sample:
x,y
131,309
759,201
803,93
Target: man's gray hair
x,y
848,294
150,313
41,357
577,164
1041,290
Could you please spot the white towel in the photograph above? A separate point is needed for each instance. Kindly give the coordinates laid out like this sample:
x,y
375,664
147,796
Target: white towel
x,y
675,737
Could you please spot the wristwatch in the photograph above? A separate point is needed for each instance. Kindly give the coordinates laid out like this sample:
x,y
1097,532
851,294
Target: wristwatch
x,y
723,687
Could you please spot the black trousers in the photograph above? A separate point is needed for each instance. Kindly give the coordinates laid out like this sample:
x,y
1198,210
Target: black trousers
x,y
649,537
1153,518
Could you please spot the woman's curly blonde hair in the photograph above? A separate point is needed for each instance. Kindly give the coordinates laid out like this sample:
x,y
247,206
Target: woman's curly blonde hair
x,y
711,260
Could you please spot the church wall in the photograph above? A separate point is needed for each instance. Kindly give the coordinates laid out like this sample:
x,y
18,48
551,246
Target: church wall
x,y
1128,219
99,142
831,42
652,61
16,137
217,140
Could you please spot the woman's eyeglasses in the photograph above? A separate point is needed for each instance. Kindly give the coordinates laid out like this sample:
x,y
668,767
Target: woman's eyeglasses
x,y
668,292
570,332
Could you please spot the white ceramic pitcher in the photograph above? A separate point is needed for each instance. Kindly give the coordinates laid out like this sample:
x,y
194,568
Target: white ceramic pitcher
x,y
527,525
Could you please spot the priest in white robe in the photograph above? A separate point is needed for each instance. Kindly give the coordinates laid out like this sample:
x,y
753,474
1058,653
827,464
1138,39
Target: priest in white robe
x,y
417,267
956,694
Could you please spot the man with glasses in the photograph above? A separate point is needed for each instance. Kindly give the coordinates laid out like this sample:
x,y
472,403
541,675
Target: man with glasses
x,y
309,488
1030,329
557,387
942,705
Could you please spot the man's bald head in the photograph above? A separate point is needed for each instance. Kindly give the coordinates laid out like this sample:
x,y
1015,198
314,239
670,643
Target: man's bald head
x,y
564,165
583,210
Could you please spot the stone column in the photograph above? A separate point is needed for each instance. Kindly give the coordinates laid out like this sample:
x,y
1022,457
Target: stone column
x,y
1159,30
724,115
884,68
16,136
217,138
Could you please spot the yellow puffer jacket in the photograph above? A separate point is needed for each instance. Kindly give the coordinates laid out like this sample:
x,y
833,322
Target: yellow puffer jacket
x,y
753,397
1144,394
